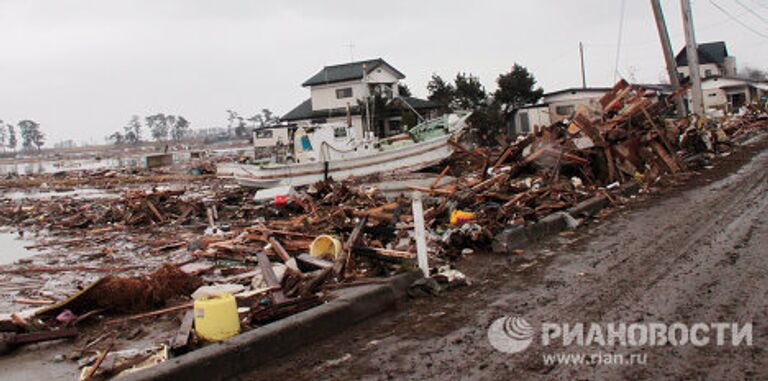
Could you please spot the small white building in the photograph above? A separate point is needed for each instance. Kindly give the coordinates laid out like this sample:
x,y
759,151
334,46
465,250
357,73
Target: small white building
x,y
729,94
556,106
714,61
339,93
270,136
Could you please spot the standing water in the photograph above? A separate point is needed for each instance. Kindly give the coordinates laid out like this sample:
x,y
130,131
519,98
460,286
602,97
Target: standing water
x,y
12,248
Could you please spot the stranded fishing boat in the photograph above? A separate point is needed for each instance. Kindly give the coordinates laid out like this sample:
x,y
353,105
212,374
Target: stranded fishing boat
x,y
334,151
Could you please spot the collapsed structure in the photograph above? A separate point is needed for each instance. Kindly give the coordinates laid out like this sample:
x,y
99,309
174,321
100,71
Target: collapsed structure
x,y
215,234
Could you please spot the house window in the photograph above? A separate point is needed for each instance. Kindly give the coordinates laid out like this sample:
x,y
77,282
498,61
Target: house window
x,y
707,73
340,132
264,134
525,123
344,93
564,110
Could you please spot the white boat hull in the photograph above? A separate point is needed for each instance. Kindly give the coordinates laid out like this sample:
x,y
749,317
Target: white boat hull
x,y
400,160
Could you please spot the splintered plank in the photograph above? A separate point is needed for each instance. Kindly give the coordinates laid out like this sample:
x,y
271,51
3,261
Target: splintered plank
x,y
270,278
440,177
279,249
156,212
182,336
665,157
343,262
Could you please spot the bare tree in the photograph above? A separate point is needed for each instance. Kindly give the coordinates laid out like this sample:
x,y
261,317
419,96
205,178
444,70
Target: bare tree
x,y
3,134
12,139
132,131
158,126
180,128
31,135
117,138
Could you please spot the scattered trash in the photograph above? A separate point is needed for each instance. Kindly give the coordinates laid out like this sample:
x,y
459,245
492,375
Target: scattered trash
x,y
162,245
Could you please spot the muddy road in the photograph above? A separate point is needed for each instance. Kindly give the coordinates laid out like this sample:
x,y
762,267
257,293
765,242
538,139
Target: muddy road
x,y
690,253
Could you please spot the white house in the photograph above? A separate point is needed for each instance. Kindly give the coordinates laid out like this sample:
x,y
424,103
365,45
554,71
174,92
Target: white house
x,y
714,61
556,106
729,94
270,136
339,93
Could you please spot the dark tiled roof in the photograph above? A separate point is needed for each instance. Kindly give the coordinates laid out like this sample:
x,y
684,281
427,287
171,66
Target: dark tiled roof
x,y
304,111
709,52
346,72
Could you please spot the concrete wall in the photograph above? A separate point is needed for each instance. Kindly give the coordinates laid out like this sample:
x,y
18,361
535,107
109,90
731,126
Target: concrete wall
x,y
730,67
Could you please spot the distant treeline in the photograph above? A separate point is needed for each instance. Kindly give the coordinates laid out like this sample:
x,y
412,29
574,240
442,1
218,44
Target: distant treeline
x,y
27,130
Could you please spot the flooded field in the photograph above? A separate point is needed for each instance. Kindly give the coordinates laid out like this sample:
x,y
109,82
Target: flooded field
x,y
67,165
13,248
52,166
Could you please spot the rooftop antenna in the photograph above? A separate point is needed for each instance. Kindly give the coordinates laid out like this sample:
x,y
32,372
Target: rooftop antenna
x,y
351,47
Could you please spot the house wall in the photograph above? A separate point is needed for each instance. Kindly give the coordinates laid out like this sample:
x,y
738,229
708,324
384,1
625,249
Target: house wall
x,y
382,74
730,66
278,134
574,99
536,116
324,96
719,91
714,70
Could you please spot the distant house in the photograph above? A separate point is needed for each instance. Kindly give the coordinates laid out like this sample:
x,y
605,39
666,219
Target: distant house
x,y
339,93
556,106
714,61
728,94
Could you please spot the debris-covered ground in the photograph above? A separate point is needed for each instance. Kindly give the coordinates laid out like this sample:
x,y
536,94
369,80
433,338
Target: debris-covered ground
x,y
692,250
140,246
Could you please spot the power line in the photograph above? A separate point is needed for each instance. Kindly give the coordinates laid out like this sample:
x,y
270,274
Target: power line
x,y
759,4
738,21
751,11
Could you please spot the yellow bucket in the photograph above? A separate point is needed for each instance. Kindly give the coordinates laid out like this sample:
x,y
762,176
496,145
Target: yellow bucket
x,y
325,247
216,317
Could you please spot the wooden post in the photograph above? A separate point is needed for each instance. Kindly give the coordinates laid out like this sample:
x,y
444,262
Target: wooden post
x,y
420,234
692,53
270,278
669,56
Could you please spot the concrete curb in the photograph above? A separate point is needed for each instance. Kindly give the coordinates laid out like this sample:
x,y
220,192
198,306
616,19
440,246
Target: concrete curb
x,y
517,237
249,350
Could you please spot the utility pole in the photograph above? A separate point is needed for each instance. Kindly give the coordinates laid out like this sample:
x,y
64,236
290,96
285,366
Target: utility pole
x,y
669,57
583,72
692,52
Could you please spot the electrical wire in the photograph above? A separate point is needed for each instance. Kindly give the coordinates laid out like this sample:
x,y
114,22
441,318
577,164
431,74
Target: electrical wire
x,y
759,4
751,11
755,31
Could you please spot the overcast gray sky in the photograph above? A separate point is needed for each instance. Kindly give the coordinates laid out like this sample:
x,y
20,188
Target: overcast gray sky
x,y
82,68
